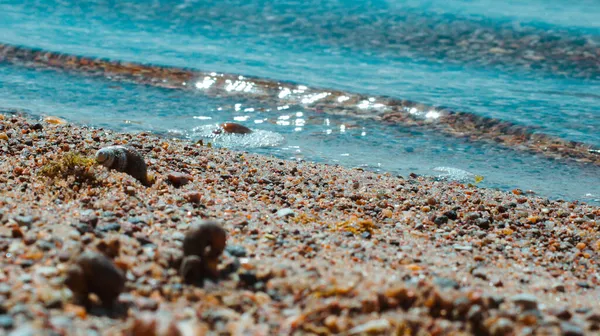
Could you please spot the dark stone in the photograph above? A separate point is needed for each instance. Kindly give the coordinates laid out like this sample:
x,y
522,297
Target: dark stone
x,y
562,313
440,220
494,301
143,239
249,278
37,127
483,223
452,215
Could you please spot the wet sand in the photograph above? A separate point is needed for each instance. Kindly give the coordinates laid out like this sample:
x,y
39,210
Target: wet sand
x,y
311,249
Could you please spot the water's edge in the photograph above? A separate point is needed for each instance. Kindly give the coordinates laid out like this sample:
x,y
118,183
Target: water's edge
x,y
380,108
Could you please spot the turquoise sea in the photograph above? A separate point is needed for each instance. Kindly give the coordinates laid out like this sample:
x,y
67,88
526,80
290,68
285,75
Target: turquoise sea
x,y
534,63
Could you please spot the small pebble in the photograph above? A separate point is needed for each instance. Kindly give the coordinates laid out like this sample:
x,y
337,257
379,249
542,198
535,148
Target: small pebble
x,y
236,250
440,220
179,179
233,128
37,127
569,329
109,227
286,212
526,301
24,220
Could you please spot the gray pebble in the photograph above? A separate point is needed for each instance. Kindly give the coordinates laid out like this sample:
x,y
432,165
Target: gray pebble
x,y
445,283
463,247
110,227
4,289
24,220
178,236
45,245
286,212
584,284
236,250
569,329
25,330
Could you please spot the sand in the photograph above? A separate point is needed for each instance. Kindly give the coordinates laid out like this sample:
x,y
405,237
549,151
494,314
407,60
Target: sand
x,y
312,249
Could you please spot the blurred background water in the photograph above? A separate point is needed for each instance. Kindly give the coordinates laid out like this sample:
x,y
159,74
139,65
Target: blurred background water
x,y
533,63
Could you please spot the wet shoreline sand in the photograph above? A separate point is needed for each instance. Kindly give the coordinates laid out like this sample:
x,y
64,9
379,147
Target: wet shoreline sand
x,y
312,249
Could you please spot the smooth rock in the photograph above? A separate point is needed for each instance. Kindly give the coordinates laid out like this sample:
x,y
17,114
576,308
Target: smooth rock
x,y
286,212
526,301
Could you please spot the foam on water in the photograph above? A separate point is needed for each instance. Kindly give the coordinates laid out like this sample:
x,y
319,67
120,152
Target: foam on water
x,y
257,139
455,174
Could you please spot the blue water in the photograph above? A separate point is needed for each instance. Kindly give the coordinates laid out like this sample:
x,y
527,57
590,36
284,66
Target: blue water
x,y
343,45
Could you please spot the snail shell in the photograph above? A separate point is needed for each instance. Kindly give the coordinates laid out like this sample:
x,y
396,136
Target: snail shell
x,y
205,239
124,159
202,246
95,273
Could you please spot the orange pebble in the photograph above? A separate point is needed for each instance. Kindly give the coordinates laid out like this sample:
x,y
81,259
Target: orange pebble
x,y
76,310
55,121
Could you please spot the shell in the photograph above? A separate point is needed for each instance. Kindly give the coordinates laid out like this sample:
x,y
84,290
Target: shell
x,y
206,239
124,159
95,273
202,246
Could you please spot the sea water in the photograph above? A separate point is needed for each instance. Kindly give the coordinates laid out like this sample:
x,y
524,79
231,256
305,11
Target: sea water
x,y
403,49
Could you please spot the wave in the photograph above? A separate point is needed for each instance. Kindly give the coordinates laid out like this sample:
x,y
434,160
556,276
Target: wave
x,y
380,108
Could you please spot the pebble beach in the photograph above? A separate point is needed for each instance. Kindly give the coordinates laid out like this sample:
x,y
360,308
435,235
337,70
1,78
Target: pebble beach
x,y
311,249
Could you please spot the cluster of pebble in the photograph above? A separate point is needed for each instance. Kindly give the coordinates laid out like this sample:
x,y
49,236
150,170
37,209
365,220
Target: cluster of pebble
x,y
301,248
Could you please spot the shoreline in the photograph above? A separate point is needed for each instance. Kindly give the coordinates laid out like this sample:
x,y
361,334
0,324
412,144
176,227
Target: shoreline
x,y
383,109
320,249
